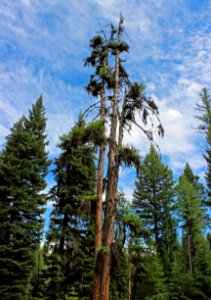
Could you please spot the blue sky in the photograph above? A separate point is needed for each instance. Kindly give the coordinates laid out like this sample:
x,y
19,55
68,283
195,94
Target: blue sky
x,y
43,44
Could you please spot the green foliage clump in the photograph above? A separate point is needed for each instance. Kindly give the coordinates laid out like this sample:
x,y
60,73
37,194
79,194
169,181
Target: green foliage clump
x,y
129,156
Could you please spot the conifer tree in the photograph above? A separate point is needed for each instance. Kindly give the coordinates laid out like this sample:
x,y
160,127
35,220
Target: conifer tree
x,y
194,180
119,256
189,204
23,168
196,252
192,265
71,229
123,100
153,203
101,80
38,282
129,236
205,110
149,279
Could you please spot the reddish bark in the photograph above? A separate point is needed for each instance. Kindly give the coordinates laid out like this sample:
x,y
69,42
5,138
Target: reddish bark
x,y
103,252
99,204
110,211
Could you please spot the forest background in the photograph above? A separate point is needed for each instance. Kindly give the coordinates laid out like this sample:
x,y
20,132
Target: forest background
x,y
169,53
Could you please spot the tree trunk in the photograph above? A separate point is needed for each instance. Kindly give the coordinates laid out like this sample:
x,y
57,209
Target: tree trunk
x,y
129,278
98,228
156,230
121,123
99,204
189,252
104,255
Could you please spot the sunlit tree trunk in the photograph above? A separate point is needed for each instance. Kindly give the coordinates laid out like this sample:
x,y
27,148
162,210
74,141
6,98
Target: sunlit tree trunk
x,y
111,191
99,204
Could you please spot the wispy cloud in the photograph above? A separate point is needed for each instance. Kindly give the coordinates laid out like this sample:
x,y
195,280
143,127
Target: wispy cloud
x,y
43,44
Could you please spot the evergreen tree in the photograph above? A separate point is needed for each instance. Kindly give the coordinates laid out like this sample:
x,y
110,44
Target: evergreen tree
x,y
192,218
38,283
119,256
98,83
153,202
121,111
194,268
149,280
71,231
23,167
198,186
129,246
205,109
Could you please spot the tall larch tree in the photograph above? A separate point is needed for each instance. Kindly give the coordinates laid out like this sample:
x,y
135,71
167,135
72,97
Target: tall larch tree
x,y
191,216
194,267
154,204
23,167
123,102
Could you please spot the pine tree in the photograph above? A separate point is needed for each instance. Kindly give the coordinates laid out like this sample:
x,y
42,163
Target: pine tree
x,y
23,168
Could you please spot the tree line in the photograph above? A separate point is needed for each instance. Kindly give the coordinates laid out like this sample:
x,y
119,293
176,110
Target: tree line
x,y
99,245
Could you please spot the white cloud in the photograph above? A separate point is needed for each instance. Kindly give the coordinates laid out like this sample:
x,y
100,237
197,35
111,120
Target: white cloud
x,y
181,139
63,101
43,44
174,114
128,191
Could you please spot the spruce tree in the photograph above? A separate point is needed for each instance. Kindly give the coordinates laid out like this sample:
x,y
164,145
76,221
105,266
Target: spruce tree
x,y
23,168
71,230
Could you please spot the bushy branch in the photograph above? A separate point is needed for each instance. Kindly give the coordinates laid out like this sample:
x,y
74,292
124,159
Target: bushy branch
x,y
129,156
